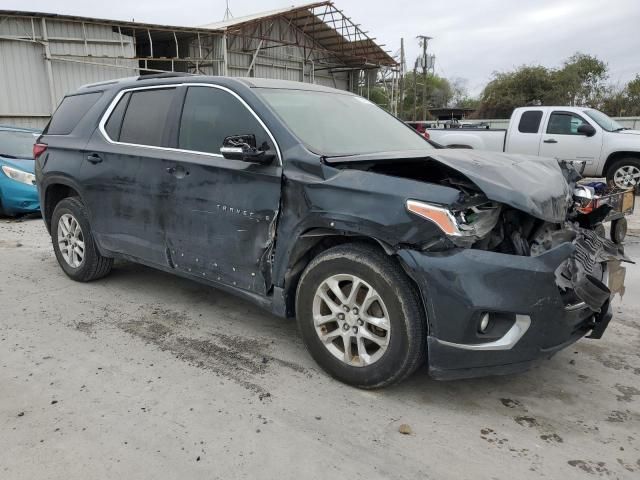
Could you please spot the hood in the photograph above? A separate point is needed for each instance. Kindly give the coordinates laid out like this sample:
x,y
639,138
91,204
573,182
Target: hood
x,y
629,132
24,164
535,185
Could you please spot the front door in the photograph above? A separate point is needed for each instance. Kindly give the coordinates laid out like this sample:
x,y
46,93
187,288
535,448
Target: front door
x,y
562,140
221,221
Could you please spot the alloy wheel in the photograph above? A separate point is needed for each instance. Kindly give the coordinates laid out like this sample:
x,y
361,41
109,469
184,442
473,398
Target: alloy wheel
x,y
70,240
351,320
627,176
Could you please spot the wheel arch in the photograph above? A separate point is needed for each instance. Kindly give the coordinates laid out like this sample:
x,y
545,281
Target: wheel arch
x,y
56,189
615,156
314,241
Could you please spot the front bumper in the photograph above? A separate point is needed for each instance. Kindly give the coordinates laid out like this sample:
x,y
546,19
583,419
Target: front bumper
x,y
16,197
461,285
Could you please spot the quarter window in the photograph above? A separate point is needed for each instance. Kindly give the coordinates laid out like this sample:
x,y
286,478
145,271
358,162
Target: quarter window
x,y
72,109
145,117
209,115
530,121
564,123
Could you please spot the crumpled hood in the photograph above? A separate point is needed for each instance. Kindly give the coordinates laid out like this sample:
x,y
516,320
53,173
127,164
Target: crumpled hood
x,y
534,185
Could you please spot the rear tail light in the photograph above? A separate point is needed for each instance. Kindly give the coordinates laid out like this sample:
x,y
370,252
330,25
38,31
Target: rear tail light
x,y
39,149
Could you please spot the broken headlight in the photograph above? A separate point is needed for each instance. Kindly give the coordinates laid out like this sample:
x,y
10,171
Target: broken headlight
x,y
466,225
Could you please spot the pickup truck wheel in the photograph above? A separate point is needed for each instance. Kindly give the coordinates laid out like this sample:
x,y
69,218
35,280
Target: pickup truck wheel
x,y
73,242
625,173
360,317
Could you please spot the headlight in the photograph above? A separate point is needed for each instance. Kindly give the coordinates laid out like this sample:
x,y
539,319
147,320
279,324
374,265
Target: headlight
x,y
19,175
471,223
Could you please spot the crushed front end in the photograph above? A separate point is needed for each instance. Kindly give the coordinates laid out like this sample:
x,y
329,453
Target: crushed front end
x,y
504,287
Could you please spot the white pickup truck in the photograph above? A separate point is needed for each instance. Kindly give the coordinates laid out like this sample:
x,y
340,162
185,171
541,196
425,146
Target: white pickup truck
x,y
566,133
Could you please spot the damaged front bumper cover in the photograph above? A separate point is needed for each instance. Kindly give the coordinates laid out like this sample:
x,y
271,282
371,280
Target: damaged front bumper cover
x,y
531,317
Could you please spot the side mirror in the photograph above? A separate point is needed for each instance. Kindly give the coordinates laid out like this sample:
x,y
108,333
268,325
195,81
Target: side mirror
x,y
243,148
586,129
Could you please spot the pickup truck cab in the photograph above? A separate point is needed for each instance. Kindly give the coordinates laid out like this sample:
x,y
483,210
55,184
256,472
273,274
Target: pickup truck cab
x,y
565,133
315,203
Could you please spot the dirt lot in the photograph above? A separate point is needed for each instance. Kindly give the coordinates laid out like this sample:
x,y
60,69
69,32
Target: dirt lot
x,y
145,375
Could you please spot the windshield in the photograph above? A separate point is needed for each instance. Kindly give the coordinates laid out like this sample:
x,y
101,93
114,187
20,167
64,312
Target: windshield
x,y
605,121
17,144
335,124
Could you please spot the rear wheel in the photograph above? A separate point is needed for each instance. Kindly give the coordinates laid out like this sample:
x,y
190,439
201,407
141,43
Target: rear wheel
x,y
360,317
73,242
619,230
625,173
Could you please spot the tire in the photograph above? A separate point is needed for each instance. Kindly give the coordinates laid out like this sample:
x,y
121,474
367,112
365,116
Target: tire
x,y
600,230
620,169
93,265
400,305
618,230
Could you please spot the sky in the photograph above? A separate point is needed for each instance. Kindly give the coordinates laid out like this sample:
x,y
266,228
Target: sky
x,y
471,38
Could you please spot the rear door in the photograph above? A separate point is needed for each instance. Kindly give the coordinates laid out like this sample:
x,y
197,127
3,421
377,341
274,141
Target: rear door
x,y
562,140
221,214
125,174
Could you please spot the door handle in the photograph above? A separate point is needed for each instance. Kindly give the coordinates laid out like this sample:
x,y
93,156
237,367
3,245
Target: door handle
x,y
551,140
178,171
94,158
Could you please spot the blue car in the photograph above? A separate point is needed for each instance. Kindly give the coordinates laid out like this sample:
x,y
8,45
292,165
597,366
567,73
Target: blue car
x,y
18,192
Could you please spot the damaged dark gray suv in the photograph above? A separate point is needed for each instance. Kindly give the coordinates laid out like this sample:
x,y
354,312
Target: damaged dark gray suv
x,y
315,203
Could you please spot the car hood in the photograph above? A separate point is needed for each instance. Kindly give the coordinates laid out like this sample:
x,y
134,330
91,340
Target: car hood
x,y
629,132
535,185
24,164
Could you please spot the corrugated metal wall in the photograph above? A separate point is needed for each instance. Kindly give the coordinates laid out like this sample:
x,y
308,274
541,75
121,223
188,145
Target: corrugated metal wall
x,y
80,54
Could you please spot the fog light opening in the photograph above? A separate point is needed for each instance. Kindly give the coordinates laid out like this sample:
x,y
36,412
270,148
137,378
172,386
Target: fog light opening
x,y
484,323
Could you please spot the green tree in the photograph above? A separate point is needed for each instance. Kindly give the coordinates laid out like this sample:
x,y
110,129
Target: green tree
x,y
580,81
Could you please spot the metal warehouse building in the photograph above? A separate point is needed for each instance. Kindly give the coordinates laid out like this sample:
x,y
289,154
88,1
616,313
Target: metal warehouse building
x,y
45,56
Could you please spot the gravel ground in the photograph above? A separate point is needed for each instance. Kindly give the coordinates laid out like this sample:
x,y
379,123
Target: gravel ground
x,y
145,375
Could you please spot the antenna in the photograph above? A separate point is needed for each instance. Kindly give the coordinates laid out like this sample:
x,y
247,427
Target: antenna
x,y
227,13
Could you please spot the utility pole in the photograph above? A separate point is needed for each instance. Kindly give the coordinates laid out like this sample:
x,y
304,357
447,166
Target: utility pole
x,y
227,13
415,90
401,86
424,40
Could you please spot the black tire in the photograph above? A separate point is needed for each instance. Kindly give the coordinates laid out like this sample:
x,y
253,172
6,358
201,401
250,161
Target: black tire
x,y
623,162
618,230
407,340
93,265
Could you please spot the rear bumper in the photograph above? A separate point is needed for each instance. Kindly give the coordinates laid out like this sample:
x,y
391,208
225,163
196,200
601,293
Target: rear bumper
x,y
459,286
18,197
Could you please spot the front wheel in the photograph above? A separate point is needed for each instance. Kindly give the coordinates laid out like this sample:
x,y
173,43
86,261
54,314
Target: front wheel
x,y
360,316
625,173
73,242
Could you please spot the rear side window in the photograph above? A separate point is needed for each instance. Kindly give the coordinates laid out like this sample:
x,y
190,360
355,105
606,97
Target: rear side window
x,y
114,123
70,112
530,121
145,116
209,115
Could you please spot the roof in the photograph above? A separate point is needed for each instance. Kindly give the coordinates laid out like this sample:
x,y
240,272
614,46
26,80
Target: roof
x,y
331,30
104,21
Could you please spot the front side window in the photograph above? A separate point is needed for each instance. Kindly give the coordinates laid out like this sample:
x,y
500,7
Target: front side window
x,y
145,116
211,114
564,123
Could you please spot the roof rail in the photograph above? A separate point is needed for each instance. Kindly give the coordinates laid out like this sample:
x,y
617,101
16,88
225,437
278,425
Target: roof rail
x,y
164,75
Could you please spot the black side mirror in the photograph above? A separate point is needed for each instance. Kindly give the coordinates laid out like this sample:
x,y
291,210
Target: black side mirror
x,y
243,148
586,129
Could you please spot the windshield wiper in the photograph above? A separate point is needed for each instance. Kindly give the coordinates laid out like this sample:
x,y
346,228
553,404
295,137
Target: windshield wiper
x,y
621,128
6,155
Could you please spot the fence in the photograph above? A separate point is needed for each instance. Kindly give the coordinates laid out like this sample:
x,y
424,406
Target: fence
x,y
629,122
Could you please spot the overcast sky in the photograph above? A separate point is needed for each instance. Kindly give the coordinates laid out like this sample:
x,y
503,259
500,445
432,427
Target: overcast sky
x,y
472,38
